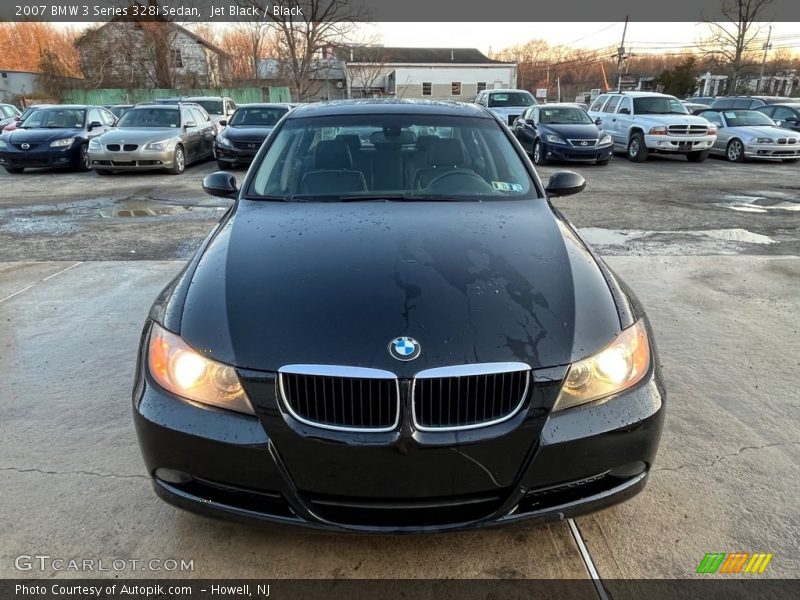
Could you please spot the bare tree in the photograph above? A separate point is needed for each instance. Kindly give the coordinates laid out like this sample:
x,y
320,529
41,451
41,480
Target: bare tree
x,y
366,68
732,42
305,29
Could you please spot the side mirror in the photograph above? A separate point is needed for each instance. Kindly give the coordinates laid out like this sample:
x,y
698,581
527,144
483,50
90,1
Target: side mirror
x,y
220,184
223,122
95,125
189,124
530,122
598,121
17,118
624,111
565,183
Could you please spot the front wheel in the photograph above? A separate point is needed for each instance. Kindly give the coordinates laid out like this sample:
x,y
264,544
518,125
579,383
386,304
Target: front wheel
x,y
735,151
637,150
698,156
83,159
178,162
538,154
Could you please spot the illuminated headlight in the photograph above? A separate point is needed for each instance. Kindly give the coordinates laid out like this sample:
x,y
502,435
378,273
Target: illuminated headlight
x,y
606,139
182,370
62,143
223,141
658,131
617,367
762,140
162,145
554,139
94,144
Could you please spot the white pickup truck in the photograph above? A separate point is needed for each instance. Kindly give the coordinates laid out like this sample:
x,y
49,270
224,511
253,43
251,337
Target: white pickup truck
x,y
645,122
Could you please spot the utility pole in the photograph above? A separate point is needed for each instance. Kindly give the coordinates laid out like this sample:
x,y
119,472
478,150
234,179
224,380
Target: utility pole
x,y
558,83
621,56
767,47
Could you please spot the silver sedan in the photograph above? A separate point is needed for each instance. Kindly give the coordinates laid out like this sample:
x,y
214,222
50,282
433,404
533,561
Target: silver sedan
x,y
747,134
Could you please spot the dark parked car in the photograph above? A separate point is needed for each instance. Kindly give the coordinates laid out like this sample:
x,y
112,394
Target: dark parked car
x,y
246,130
56,136
404,336
785,115
746,102
562,132
704,100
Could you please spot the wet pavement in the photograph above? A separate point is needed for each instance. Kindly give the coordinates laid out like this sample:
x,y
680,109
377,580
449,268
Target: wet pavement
x,y
82,257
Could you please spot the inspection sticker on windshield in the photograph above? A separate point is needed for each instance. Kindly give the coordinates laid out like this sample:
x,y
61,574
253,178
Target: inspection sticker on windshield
x,y
506,187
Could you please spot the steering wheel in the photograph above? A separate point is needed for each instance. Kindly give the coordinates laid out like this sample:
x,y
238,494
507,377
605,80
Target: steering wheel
x,y
460,181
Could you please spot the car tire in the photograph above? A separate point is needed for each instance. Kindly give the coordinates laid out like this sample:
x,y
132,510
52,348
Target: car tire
x,y
15,170
734,151
178,161
637,151
697,157
83,159
602,163
538,154
224,165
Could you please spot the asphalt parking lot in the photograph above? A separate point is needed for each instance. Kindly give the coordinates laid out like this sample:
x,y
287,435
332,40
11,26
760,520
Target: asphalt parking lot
x,y
711,249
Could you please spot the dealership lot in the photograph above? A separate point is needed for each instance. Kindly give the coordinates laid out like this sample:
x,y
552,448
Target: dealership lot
x,y
711,249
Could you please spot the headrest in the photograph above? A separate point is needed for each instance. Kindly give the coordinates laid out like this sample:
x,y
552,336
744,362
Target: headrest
x,y
424,141
351,139
332,155
446,153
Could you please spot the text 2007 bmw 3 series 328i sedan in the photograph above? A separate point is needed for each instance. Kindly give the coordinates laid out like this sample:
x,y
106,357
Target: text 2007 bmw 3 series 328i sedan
x,y
396,335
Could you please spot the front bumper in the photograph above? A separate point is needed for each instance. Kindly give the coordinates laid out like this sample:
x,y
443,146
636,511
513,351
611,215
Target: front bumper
x,y
139,159
224,464
50,157
235,154
577,153
772,151
679,144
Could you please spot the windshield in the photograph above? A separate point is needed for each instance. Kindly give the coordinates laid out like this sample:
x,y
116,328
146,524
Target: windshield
x,y
564,116
118,111
55,118
746,118
149,116
213,107
405,157
508,99
257,116
658,105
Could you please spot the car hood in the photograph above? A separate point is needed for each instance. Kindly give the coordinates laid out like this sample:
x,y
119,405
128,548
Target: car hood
x,y
587,131
145,135
38,136
765,131
668,119
505,111
247,133
317,283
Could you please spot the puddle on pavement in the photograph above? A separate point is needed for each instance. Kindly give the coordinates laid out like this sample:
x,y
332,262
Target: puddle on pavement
x,y
143,208
761,202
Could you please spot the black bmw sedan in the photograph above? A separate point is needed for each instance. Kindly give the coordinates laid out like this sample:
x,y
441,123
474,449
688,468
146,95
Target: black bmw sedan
x,y
54,136
244,133
403,336
562,132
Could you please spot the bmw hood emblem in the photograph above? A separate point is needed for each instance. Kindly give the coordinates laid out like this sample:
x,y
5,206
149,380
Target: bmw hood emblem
x,y
404,348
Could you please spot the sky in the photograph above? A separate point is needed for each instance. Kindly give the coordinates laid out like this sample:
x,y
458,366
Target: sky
x,y
488,37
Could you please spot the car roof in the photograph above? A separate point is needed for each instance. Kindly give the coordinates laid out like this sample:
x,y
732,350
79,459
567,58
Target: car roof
x,y
191,98
789,104
398,106
559,105
264,105
71,106
506,90
638,94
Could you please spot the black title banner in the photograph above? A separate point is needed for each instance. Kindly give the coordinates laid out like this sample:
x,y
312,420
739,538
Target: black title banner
x,y
532,11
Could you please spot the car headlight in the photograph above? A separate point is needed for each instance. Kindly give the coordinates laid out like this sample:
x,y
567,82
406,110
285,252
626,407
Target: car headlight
x,y
223,141
62,143
658,131
712,130
617,367
761,140
94,144
162,145
182,370
554,139
606,139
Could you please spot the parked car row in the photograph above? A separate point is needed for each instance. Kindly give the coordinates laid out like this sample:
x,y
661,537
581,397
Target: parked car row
x,y
160,134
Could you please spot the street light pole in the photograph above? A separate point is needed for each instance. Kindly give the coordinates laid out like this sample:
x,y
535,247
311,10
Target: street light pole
x,y
767,47
621,56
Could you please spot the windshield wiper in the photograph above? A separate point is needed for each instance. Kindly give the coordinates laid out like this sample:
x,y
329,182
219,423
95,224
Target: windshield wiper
x,y
409,197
